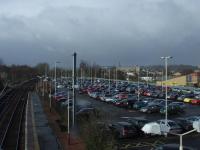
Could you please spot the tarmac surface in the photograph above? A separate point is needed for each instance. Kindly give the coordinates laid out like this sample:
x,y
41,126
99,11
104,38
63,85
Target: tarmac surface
x,y
114,113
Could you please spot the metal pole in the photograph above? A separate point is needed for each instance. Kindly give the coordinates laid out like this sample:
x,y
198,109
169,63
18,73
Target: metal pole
x,y
166,111
104,71
162,81
138,83
55,80
81,77
147,78
95,74
128,78
109,80
68,116
116,78
91,74
166,91
50,97
181,143
74,84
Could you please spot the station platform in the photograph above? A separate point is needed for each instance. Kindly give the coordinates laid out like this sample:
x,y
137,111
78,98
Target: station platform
x,y
38,134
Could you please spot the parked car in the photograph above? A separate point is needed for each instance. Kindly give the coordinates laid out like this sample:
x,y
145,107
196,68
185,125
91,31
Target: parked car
x,y
123,130
191,119
85,113
173,96
187,100
138,123
180,104
171,109
195,101
65,104
174,128
157,102
140,104
151,108
185,124
182,97
126,103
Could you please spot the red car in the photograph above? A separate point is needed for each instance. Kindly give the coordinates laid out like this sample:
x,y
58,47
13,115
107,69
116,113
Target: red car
x,y
147,93
195,101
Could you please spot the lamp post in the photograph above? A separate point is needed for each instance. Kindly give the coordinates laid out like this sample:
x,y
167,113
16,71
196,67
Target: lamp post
x,y
55,76
166,59
138,70
116,78
74,83
162,81
147,78
109,80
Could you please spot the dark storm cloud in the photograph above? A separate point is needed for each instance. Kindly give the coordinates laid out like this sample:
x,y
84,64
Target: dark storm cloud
x,y
101,31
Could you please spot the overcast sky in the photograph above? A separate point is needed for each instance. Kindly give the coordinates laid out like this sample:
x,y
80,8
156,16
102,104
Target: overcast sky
x,y
103,31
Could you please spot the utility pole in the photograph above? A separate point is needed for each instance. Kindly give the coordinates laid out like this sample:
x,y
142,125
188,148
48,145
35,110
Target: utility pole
x,y
68,115
162,81
166,111
147,78
55,77
109,80
74,88
116,78
138,69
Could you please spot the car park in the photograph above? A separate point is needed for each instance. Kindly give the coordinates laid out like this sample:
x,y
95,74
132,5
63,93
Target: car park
x,y
126,99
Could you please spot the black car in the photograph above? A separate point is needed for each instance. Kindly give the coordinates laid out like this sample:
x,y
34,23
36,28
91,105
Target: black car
x,y
151,108
123,130
173,96
184,123
86,113
138,123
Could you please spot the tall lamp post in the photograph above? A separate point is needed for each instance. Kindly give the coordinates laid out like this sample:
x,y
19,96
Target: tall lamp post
x,y
116,78
56,62
138,70
166,59
109,80
147,78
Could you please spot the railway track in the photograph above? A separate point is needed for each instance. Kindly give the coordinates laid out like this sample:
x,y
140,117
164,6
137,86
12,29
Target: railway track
x,y
12,111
